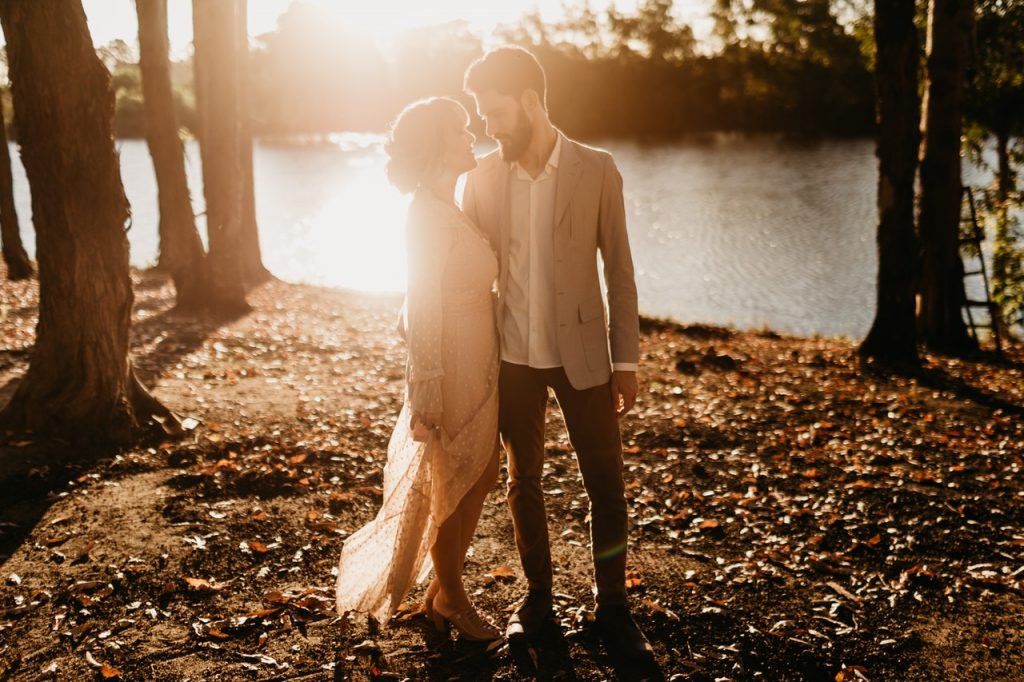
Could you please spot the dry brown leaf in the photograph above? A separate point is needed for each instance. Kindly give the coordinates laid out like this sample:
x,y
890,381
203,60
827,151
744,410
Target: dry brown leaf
x,y
502,572
109,672
201,585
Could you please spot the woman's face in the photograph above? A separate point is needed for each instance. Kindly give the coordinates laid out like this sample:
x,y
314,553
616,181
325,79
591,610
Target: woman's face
x,y
458,152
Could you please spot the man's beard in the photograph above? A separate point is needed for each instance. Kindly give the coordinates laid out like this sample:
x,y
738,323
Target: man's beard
x,y
512,147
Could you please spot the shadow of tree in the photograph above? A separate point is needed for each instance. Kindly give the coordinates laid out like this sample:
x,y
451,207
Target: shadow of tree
x,y
172,335
943,380
29,476
32,470
990,358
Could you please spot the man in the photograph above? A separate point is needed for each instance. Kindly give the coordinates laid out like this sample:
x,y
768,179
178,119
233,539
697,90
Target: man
x,y
548,205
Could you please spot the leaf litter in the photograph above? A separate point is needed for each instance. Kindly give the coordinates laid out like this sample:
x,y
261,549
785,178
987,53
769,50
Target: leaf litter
x,y
793,514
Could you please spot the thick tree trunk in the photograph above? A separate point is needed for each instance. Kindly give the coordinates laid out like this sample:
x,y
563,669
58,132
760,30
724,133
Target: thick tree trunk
x,y
942,286
892,338
215,38
253,270
79,384
181,249
19,266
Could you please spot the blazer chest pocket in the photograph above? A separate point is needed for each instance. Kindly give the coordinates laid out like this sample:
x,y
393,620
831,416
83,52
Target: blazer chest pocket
x,y
591,309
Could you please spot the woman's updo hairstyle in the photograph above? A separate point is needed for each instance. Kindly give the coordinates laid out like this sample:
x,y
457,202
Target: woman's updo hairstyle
x,y
417,140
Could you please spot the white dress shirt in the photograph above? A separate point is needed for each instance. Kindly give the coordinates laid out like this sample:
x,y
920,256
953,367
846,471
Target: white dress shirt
x,y
528,334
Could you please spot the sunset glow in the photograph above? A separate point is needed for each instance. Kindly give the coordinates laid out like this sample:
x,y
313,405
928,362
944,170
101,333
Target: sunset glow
x,y
382,21
307,305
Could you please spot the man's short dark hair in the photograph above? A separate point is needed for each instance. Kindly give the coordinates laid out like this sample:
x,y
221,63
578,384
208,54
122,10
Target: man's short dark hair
x,y
508,70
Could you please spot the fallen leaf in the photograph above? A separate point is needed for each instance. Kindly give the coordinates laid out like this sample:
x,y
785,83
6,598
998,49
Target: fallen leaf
x,y
502,573
201,585
109,672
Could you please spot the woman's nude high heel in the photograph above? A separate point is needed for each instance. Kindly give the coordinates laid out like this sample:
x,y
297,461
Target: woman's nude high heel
x,y
439,621
470,624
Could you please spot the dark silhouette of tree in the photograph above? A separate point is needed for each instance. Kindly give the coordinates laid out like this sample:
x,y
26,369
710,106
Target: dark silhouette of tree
x,y
636,74
892,339
253,270
809,67
940,315
181,249
19,266
217,73
783,65
664,39
80,384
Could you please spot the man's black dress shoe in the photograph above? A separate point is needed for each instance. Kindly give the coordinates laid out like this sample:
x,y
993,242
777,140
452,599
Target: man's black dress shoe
x,y
620,633
529,619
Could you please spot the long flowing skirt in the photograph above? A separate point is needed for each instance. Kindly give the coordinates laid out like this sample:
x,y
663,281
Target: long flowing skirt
x,y
425,481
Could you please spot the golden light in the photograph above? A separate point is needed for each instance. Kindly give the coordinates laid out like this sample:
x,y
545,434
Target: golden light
x,y
356,238
383,20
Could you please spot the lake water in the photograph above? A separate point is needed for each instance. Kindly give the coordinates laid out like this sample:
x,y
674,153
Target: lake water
x,y
749,231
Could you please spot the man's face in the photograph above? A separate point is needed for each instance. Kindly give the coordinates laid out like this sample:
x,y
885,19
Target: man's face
x,y
506,123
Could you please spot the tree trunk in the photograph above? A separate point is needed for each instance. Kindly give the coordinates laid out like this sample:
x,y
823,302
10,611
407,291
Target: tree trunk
x,y
942,286
892,338
215,38
19,266
253,270
79,384
181,249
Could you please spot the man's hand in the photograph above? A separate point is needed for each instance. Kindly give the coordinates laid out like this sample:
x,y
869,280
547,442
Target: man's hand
x,y
624,390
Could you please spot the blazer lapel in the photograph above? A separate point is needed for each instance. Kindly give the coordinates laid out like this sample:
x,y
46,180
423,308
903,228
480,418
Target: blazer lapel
x,y
569,170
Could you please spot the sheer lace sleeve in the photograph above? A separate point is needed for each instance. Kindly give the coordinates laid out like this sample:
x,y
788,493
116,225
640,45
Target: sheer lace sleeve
x,y
429,240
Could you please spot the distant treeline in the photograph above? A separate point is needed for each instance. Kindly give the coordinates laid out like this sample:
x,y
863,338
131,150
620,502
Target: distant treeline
x,y
610,74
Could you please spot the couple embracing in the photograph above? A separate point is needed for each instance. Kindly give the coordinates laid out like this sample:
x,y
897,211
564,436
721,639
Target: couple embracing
x,y
534,215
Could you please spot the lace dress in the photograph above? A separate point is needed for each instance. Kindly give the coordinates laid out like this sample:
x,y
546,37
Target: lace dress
x,y
452,370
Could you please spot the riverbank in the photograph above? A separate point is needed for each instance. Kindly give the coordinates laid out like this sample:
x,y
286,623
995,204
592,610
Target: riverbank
x,y
794,516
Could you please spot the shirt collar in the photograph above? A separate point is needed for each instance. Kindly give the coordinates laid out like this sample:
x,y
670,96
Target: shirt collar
x,y
552,163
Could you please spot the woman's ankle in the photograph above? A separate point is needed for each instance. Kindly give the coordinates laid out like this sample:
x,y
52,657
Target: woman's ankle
x,y
451,604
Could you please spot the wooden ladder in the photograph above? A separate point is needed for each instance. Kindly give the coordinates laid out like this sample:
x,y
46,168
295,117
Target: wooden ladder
x,y
970,233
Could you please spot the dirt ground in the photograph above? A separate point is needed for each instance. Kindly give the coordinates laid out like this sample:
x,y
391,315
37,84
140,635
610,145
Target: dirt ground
x,y
794,515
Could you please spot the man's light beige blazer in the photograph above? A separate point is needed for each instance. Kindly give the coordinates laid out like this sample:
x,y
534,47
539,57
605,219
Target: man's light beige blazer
x,y
589,217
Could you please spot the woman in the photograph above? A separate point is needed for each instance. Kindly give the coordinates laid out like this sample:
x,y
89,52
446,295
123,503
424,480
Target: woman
x,y
443,454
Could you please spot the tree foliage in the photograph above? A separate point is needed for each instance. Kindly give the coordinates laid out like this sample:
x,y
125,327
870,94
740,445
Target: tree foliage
x,y
994,102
